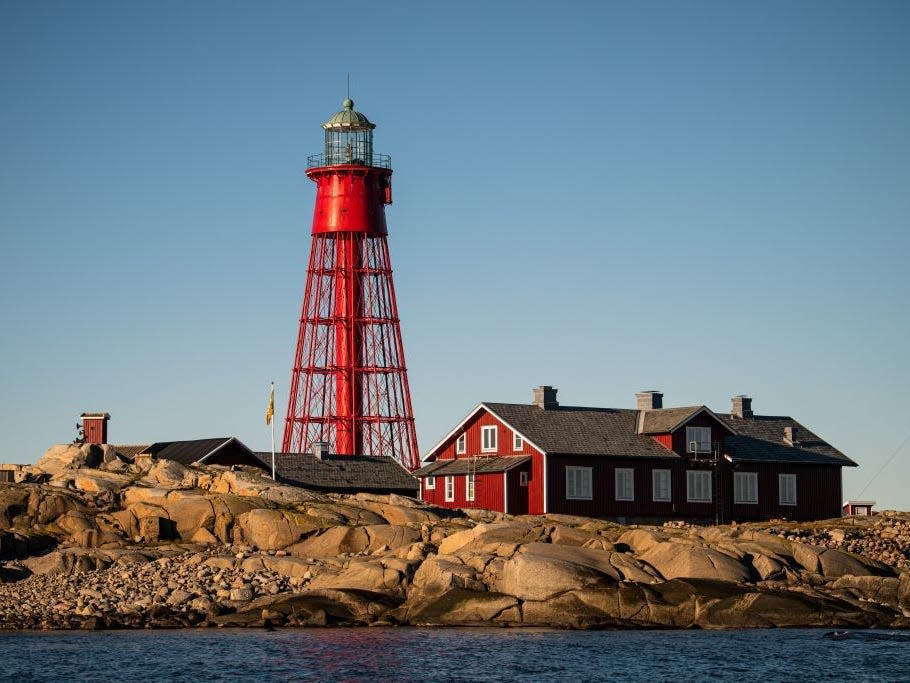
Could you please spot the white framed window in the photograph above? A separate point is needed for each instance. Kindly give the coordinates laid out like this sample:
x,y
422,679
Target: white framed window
x,y
578,483
461,444
786,488
698,439
523,478
469,487
488,438
517,442
660,486
625,483
430,483
745,487
698,486
450,488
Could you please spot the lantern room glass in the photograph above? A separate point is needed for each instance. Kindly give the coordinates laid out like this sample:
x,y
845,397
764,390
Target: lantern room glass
x,y
349,146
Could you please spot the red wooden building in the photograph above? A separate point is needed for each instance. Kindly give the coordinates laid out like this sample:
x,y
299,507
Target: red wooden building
x,y
647,464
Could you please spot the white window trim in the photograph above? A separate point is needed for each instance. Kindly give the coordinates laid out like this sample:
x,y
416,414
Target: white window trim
x,y
461,444
430,483
470,482
752,478
781,478
450,488
517,441
690,476
616,477
699,447
590,477
489,429
523,478
654,475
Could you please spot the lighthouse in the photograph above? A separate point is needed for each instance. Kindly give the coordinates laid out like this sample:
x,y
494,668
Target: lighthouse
x,y
349,381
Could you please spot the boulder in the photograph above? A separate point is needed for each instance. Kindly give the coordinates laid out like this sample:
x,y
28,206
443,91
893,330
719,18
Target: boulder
x,y
169,474
538,571
60,458
489,537
97,481
274,529
459,607
834,563
336,540
679,560
368,575
439,573
642,540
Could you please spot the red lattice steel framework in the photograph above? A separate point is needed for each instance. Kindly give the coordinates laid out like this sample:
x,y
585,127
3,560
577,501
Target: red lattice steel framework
x,y
349,383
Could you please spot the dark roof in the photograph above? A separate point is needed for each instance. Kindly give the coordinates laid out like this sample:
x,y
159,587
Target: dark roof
x,y
572,430
129,451
761,439
107,416
480,465
664,420
187,452
343,473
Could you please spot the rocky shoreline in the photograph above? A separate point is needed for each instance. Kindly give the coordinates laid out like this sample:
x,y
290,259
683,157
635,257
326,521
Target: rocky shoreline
x,y
174,547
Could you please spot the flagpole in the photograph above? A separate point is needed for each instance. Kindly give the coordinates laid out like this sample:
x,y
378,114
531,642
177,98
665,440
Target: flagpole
x,y
272,422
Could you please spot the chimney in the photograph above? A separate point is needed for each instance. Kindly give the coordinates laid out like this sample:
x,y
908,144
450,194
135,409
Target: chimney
x,y
320,450
545,397
742,407
94,427
650,400
790,435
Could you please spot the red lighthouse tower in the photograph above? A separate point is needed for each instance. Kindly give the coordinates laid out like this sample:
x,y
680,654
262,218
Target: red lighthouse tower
x,y
349,382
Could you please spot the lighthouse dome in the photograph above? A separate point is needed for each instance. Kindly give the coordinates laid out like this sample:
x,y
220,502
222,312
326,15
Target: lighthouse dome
x,y
348,119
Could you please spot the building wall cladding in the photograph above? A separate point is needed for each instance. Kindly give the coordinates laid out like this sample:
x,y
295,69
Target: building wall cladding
x,y
488,492
678,442
531,498
473,444
818,492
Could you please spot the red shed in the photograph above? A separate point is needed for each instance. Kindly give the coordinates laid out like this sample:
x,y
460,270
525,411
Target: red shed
x,y
858,508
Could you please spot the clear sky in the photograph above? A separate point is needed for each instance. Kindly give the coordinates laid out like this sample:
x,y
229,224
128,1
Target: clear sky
x,y
704,198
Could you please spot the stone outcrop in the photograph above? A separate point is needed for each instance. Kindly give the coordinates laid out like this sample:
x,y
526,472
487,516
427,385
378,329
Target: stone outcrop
x,y
118,546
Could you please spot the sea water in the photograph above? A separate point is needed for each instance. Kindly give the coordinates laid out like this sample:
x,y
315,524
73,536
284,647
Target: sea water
x,y
455,654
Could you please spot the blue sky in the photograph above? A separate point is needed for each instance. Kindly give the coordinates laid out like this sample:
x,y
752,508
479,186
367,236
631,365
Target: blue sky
x,y
704,198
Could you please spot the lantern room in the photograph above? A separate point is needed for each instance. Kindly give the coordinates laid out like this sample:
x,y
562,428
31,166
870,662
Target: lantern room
x,y
348,139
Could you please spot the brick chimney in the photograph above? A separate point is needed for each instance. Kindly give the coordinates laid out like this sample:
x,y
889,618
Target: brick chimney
x,y
650,400
545,397
320,450
790,435
94,427
742,407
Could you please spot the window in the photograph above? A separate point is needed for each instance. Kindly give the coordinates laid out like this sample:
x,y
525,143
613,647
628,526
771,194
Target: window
x,y
698,439
625,483
578,483
461,445
523,478
469,487
745,487
517,442
450,488
430,483
488,438
660,485
786,487
698,486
